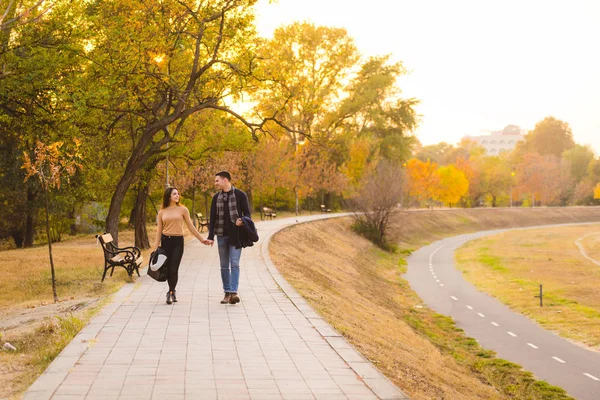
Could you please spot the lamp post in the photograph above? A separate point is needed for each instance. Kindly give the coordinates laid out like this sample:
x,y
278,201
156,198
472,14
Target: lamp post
x,y
296,144
512,176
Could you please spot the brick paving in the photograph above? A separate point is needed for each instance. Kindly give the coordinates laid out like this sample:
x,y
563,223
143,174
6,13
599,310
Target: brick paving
x,y
272,345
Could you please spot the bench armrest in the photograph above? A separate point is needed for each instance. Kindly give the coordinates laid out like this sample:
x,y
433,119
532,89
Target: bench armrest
x,y
131,249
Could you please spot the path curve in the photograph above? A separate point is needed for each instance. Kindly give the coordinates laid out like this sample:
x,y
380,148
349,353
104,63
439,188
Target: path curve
x,y
272,345
433,276
581,247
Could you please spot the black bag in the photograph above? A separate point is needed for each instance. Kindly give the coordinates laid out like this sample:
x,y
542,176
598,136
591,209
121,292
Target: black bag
x,y
160,274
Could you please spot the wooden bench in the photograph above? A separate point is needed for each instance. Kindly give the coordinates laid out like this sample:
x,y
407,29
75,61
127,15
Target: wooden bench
x,y
202,222
269,213
325,210
129,258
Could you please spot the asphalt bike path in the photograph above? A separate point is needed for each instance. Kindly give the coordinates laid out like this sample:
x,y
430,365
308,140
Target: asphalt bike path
x,y
272,345
432,274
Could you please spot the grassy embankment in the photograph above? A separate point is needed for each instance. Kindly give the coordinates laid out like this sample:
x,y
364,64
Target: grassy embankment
x,y
511,266
360,291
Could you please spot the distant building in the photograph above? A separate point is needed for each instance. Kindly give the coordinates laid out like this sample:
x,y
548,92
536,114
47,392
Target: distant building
x,y
500,141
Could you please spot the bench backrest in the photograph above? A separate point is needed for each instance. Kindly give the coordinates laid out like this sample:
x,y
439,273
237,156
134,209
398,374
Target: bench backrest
x,y
106,241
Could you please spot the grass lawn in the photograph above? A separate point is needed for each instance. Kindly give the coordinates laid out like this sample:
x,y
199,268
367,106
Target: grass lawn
x,y
29,318
510,266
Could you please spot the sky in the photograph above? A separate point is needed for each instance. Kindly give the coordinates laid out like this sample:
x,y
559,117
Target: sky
x,y
475,65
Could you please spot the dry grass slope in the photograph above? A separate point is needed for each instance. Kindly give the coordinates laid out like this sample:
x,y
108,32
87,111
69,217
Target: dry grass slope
x,y
360,291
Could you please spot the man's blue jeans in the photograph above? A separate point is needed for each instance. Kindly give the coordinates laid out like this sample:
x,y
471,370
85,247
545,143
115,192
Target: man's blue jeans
x,y
230,264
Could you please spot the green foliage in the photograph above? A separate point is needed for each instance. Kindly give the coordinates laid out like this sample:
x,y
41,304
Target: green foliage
x,y
371,232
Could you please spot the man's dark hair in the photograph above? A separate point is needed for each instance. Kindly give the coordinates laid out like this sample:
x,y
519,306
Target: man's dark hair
x,y
224,174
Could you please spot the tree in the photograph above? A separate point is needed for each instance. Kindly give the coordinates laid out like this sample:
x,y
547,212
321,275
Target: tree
x,y
550,136
436,153
377,200
597,191
373,108
473,170
304,67
422,179
579,158
497,177
50,164
545,178
154,65
362,158
38,65
451,185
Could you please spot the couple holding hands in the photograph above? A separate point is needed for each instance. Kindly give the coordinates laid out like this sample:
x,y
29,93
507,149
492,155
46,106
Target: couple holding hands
x,y
229,212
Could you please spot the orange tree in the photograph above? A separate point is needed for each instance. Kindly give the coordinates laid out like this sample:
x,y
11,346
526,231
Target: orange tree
x,y
50,164
422,179
451,185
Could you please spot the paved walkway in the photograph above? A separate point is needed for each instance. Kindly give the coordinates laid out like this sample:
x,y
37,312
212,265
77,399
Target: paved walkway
x,y
272,345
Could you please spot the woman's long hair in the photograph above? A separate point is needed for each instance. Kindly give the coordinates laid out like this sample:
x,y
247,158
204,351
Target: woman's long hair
x,y
167,197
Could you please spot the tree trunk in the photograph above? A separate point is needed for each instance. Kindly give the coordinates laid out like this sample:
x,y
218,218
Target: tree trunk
x,y
18,237
141,234
50,247
262,217
29,221
206,215
194,203
73,225
114,211
250,199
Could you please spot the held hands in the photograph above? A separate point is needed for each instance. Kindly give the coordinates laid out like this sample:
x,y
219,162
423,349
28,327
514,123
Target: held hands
x,y
208,242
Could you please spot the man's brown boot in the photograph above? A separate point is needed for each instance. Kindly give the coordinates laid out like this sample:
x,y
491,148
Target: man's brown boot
x,y
234,298
226,298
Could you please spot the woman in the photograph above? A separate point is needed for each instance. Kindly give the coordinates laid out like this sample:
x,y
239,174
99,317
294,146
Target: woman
x,y
169,235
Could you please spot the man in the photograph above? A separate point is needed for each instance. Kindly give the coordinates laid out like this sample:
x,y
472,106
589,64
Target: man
x,y
228,207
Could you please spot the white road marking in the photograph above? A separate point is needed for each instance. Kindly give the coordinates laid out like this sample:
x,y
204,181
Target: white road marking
x,y
511,334
481,315
441,284
495,324
469,307
453,298
437,280
559,360
532,345
582,249
591,376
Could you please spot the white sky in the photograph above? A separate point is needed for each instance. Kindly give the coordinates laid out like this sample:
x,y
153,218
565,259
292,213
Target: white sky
x,y
476,65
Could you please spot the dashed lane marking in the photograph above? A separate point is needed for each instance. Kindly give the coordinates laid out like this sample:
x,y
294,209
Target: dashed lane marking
x,y
559,360
469,307
481,315
591,376
511,334
453,298
533,346
494,323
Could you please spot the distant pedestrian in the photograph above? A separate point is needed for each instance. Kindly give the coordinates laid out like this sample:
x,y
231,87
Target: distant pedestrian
x,y
169,235
228,207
